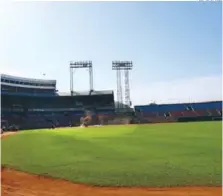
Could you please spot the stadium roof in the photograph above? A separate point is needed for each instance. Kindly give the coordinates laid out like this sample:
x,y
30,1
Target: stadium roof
x,y
180,103
17,78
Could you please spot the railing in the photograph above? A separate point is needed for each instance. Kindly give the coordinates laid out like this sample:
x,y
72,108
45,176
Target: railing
x,y
47,94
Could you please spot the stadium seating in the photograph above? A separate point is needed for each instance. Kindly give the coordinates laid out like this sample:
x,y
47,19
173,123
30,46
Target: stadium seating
x,y
176,114
202,112
155,112
214,112
33,103
189,113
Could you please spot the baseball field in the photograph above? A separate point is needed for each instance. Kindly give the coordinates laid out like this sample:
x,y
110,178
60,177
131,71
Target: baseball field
x,y
157,159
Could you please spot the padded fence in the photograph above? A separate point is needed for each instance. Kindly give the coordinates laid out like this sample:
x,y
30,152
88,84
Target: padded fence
x,y
199,118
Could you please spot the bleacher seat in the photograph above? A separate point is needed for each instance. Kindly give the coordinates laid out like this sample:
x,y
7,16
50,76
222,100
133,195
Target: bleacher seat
x,y
189,113
156,112
214,112
176,114
202,112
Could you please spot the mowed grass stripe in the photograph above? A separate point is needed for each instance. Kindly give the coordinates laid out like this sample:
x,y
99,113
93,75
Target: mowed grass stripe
x,y
178,154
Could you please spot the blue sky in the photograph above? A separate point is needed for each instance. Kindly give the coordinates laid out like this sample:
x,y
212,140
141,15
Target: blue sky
x,y
175,46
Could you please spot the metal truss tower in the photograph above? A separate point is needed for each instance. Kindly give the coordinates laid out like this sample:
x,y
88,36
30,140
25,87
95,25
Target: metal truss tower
x,y
122,66
78,65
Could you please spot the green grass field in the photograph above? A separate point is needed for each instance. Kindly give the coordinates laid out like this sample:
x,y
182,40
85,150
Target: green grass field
x,y
175,154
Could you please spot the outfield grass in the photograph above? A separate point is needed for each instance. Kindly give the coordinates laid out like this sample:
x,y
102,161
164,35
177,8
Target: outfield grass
x,y
182,154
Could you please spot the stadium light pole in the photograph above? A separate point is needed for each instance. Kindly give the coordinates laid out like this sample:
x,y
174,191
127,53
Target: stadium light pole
x,y
120,66
80,65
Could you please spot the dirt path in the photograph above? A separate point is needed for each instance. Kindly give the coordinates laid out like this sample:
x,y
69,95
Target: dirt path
x,y
7,133
16,183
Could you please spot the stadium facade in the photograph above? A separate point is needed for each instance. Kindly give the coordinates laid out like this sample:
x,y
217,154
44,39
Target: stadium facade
x,y
34,103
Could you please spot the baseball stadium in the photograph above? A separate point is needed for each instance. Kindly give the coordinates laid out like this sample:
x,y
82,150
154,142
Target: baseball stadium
x,y
86,143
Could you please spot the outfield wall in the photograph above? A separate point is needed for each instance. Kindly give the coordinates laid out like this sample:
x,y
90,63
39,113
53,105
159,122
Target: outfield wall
x,y
199,118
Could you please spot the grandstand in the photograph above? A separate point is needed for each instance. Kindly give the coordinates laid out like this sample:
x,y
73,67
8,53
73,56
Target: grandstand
x,y
180,112
33,103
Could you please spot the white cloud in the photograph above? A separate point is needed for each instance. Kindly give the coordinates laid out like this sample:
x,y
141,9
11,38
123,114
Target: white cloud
x,y
185,90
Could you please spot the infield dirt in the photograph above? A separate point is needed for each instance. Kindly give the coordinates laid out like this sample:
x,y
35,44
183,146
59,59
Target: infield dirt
x,y
16,183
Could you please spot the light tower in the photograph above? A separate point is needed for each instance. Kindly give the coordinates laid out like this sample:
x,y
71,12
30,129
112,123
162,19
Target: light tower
x,y
78,65
122,66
